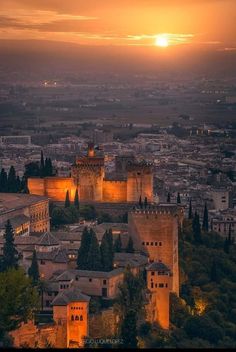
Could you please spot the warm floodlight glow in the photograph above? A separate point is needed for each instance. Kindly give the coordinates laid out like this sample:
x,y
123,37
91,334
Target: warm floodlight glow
x,y
162,41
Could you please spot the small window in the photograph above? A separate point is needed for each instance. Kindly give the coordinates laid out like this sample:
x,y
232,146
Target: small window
x,y
143,243
160,244
76,317
42,262
152,273
77,278
72,318
151,284
104,282
151,243
90,280
156,244
81,318
161,285
147,243
166,285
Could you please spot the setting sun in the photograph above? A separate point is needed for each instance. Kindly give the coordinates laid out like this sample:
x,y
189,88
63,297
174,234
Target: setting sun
x,y
162,41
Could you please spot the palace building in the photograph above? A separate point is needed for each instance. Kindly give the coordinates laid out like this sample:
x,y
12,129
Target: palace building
x,y
88,176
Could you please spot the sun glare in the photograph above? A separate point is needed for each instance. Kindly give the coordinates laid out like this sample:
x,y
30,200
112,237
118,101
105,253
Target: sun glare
x,y
162,41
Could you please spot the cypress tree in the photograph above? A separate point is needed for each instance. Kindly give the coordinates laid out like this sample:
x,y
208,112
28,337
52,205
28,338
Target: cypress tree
x,y
3,181
33,270
94,255
130,246
105,253
205,219
50,167
190,211
145,202
11,180
228,241
214,273
82,258
118,245
24,186
76,199
140,202
42,165
67,200
168,197
178,198
10,254
129,330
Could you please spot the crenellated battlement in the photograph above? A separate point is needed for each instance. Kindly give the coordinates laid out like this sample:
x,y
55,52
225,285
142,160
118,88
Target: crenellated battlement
x,y
157,209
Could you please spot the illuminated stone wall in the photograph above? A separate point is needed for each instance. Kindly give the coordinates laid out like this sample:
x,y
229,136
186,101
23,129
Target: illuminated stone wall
x,y
52,187
156,233
139,183
160,298
114,191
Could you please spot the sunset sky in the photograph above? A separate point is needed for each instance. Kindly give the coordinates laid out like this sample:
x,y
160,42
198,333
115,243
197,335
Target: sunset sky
x,y
209,23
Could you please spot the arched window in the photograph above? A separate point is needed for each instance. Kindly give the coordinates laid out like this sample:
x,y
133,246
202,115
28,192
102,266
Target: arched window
x,y
81,318
72,318
76,317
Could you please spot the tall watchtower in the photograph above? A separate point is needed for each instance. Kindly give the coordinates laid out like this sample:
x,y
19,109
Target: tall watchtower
x,y
88,175
139,181
155,232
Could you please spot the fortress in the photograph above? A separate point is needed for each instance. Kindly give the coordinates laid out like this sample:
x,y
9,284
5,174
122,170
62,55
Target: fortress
x,y
131,180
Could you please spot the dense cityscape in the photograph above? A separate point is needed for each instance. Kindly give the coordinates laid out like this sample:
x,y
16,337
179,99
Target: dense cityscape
x,y
117,183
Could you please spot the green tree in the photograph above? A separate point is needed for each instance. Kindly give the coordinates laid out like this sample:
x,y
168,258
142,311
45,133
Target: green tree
x,y
140,202
58,217
18,300
94,255
205,219
10,254
190,211
42,165
11,180
76,199
196,228
145,202
67,200
130,246
3,181
33,270
178,198
130,303
129,330
105,253
82,258
88,212
118,244
168,197
32,169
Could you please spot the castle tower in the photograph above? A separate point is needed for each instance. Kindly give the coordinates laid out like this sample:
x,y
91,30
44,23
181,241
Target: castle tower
x,y
139,181
159,282
155,232
88,175
70,312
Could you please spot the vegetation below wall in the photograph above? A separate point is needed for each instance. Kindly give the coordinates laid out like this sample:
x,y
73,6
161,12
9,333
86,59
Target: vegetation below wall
x,y
204,316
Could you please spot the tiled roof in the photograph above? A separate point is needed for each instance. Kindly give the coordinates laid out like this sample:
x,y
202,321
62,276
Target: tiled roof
x,y
71,295
132,259
157,266
47,239
71,274
17,221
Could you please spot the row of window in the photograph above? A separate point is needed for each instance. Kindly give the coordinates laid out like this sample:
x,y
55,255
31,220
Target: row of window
x,y
76,317
76,308
64,286
158,273
161,285
152,244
